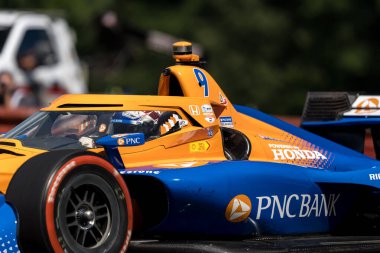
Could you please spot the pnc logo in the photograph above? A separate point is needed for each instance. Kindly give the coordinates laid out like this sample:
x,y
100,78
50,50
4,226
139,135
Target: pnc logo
x,y
238,209
369,103
120,141
367,106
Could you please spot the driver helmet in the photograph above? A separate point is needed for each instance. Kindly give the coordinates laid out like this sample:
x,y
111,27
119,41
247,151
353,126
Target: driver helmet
x,y
132,122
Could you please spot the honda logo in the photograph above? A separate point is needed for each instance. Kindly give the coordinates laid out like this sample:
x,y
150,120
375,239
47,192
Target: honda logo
x,y
194,110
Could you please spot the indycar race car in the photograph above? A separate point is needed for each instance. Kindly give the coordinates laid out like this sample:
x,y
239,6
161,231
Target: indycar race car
x,y
87,172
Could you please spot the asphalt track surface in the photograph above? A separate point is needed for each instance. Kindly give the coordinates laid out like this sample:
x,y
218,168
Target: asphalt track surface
x,y
273,244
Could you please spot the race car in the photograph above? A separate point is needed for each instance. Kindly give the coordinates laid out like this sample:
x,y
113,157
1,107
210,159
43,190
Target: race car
x,y
89,171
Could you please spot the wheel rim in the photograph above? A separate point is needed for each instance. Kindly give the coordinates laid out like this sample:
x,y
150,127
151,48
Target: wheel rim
x,y
88,216
84,213
87,169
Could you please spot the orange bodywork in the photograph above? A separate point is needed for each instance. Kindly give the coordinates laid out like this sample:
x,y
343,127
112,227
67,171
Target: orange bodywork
x,y
189,91
11,158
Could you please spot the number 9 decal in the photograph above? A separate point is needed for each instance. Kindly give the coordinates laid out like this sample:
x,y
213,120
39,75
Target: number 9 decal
x,y
202,80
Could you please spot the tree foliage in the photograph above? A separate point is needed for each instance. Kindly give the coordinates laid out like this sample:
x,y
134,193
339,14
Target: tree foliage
x,y
263,53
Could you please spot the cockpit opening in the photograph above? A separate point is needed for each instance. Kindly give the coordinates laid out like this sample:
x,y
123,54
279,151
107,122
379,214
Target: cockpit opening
x,y
236,145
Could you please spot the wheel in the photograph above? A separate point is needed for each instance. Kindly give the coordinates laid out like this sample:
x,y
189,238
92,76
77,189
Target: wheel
x,y
70,201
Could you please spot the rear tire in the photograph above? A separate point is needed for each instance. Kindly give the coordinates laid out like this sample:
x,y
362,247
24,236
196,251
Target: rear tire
x,y
70,201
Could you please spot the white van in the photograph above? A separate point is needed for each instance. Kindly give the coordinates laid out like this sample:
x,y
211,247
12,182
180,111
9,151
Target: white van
x,y
58,69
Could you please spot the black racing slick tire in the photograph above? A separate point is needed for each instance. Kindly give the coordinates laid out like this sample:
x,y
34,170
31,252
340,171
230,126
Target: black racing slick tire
x,y
70,201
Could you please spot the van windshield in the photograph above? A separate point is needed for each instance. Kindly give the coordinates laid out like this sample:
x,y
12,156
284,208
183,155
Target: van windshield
x,y
4,31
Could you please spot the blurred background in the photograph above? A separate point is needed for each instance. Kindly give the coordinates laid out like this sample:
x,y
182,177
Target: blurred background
x,y
264,54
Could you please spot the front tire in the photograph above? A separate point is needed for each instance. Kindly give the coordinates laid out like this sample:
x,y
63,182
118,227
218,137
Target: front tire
x,y
71,202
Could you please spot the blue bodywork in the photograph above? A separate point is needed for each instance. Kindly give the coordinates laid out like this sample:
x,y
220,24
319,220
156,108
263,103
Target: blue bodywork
x,y
313,138
286,199
8,227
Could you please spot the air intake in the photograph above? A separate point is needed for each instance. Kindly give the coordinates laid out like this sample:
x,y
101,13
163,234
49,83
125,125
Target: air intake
x,y
323,106
5,143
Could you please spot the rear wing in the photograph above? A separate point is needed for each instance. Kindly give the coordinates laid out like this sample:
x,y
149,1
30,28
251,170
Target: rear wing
x,y
343,117
339,108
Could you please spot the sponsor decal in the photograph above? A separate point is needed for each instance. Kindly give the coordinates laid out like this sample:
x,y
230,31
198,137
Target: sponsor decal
x,y
297,206
375,176
238,209
207,109
365,105
289,152
154,172
120,141
102,128
366,102
222,99
199,146
210,119
132,141
194,110
226,121
210,132
267,138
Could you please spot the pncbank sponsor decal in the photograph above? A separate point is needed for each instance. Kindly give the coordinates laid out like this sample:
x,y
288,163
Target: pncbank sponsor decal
x,y
297,206
290,152
286,206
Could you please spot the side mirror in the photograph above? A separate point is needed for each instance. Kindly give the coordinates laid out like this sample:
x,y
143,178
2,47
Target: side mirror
x,y
116,140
